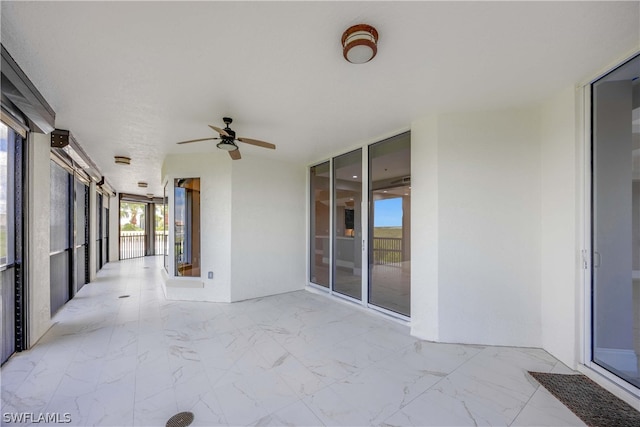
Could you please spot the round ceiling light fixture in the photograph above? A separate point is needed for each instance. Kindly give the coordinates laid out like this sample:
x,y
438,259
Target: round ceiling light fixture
x,y
227,144
122,160
359,43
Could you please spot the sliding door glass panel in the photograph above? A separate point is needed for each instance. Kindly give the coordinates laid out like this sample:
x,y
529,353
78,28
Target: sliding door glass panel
x,y
320,223
616,221
187,227
347,224
390,224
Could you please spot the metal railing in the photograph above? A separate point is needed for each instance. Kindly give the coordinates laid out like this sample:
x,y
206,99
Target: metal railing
x,y
387,251
133,244
160,242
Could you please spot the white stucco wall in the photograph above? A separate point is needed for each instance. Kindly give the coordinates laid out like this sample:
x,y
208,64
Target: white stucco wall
x,y
39,236
268,253
424,229
485,250
214,171
560,285
252,220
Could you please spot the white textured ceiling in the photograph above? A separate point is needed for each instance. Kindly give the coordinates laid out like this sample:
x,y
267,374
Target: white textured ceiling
x,y
133,78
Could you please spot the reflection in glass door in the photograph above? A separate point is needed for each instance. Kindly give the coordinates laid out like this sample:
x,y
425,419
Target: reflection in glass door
x,y
616,222
347,224
390,224
320,222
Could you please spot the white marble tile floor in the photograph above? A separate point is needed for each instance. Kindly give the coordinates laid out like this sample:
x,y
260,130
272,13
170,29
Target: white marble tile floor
x,y
298,359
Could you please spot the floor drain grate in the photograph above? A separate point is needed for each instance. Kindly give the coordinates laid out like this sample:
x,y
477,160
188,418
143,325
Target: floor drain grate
x,y
124,296
181,419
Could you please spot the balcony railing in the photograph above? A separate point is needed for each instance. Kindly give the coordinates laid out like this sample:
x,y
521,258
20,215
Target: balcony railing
x,y
133,244
387,251
160,241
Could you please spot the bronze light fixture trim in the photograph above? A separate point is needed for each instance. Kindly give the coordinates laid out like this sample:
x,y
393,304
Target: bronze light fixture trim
x,y
123,160
359,43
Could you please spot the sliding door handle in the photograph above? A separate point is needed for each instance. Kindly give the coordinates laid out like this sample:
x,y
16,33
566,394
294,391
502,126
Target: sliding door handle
x,y
597,259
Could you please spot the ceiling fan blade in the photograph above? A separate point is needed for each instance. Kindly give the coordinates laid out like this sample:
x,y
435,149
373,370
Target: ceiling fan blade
x,y
257,142
235,154
195,140
220,131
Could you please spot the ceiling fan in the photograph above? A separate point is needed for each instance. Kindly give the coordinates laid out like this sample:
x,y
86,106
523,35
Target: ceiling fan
x,y
227,140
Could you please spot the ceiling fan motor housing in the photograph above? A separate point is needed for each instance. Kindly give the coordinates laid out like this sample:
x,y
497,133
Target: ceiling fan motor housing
x,y
232,134
226,142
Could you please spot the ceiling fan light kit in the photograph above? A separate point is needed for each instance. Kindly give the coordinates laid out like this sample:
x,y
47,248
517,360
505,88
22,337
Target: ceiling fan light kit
x,y
227,145
359,43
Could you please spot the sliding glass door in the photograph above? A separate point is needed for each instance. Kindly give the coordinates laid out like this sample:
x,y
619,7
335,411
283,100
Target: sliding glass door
x,y
390,224
347,224
320,210
364,254
616,222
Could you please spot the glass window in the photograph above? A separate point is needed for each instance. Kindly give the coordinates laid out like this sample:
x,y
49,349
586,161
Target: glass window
x,y
320,215
187,226
616,221
166,228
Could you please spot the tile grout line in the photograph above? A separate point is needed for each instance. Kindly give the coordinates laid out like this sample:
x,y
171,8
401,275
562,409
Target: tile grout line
x,y
439,381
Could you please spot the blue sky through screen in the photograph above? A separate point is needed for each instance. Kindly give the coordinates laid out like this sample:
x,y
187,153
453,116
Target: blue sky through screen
x,y
388,212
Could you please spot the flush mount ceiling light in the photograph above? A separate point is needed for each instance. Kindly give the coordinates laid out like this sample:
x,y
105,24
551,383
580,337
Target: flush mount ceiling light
x,y
359,43
122,160
142,184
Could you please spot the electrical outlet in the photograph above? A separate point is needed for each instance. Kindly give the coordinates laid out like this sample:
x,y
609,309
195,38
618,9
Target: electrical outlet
x,y
210,275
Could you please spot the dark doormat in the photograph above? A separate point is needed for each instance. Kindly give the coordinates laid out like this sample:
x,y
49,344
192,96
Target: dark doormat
x,y
590,402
